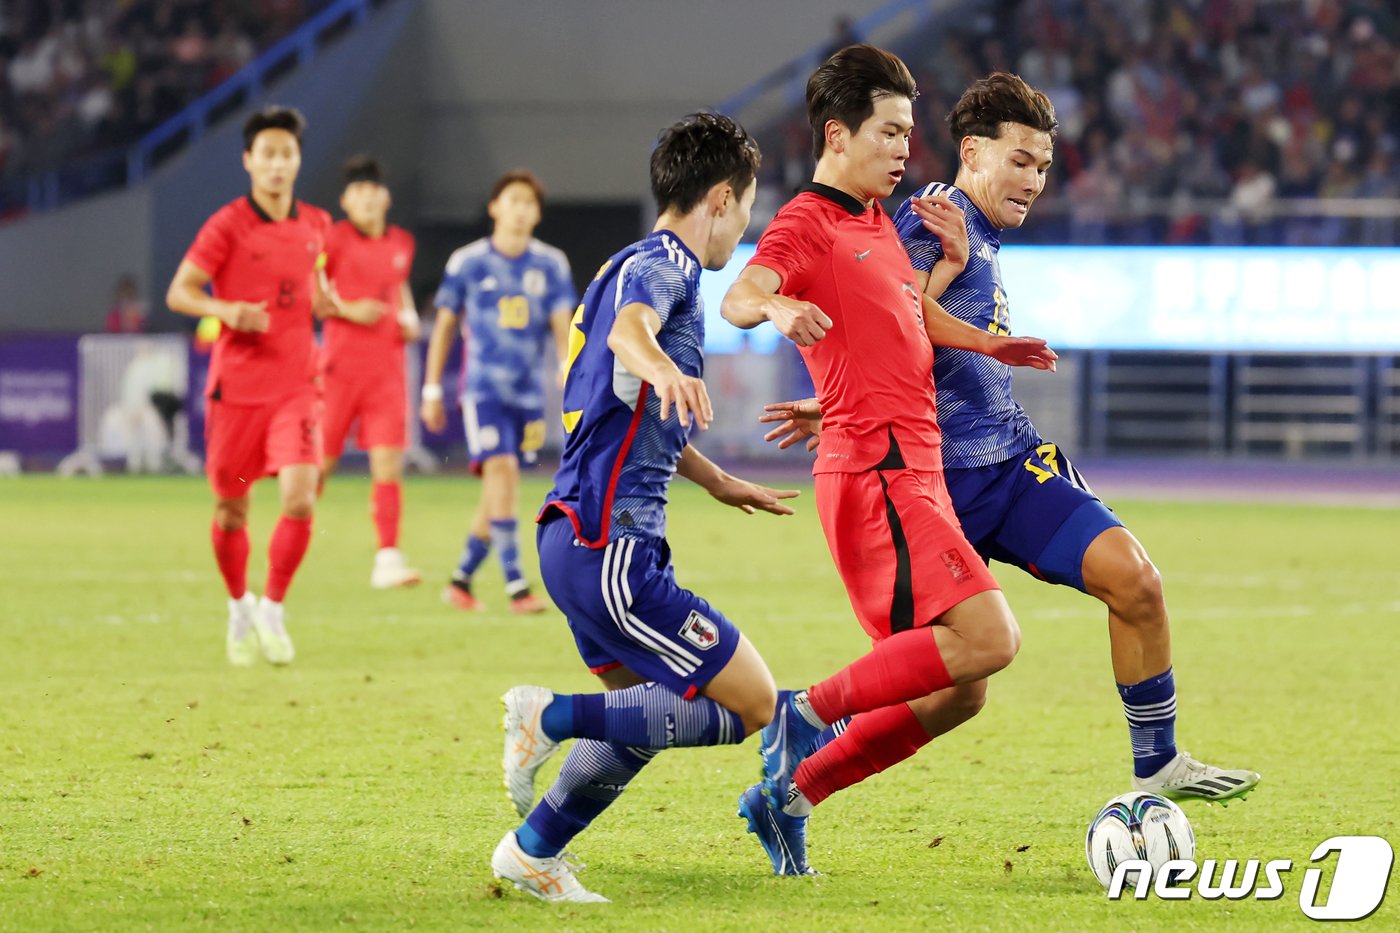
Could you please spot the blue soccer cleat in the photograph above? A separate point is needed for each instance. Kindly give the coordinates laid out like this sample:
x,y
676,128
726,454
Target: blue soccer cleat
x,y
784,837
784,743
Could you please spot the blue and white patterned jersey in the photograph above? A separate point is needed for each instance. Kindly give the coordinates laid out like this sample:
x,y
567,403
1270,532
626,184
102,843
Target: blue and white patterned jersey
x,y
505,304
619,456
981,423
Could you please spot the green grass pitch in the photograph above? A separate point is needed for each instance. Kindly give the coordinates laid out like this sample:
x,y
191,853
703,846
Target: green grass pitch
x,y
144,784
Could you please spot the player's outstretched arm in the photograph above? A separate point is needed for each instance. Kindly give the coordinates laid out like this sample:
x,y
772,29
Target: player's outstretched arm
x,y
633,341
187,295
745,496
797,421
444,330
945,330
945,220
753,299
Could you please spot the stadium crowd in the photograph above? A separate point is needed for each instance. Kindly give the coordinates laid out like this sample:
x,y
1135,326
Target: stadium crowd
x,y
78,77
1166,105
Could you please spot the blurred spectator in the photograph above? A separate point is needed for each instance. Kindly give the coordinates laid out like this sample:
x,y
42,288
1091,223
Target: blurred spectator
x,y
127,315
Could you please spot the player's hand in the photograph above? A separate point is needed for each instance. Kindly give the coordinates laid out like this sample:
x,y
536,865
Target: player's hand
x,y
1023,351
799,321
433,414
687,395
750,497
945,220
246,316
797,421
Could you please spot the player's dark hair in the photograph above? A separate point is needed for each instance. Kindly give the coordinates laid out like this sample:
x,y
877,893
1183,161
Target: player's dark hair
x,y
696,153
363,168
518,176
1001,98
273,118
847,86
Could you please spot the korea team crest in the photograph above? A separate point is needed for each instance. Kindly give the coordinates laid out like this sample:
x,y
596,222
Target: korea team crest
x,y
700,632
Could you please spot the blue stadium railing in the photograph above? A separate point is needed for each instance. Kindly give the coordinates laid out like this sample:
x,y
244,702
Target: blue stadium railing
x,y
79,179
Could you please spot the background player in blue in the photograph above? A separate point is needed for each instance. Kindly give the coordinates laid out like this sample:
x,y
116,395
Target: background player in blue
x,y
511,292
678,672
1018,497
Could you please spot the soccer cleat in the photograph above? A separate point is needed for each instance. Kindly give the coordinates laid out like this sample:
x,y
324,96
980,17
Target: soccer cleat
x,y
549,879
1184,777
242,641
391,570
784,742
272,633
527,746
458,594
527,603
783,837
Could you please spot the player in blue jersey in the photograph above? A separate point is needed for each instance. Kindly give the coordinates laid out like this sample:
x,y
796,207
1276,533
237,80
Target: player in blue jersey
x,y
511,291
678,673
1017,496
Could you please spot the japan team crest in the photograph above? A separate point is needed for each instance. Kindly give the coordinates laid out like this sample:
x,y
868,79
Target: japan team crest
x,y
700,632
533,282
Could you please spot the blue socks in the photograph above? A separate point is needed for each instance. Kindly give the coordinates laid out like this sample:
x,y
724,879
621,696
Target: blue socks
x,y
645,716
593,776
1151,710
503,538
473,554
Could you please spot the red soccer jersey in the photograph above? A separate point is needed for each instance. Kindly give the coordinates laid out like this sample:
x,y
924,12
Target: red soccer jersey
x,y
367,267
874,369
251,257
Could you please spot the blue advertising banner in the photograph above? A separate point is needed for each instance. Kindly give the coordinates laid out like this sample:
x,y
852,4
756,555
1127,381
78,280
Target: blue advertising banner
x,y
38,394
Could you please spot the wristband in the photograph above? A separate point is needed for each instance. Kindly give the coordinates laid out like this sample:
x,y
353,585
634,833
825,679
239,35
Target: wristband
x,y
432,392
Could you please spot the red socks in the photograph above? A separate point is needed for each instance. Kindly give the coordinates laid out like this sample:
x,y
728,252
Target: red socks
x,y
903,667
385,502
231,553
871,743
284,554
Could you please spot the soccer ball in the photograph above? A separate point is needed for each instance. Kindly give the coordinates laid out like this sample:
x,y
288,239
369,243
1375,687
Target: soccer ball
x,y
1137,826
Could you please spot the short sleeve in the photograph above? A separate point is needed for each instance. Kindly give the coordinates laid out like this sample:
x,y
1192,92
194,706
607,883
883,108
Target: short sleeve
x,y
213,244
922,245
654,281
562,297
789,246
452,293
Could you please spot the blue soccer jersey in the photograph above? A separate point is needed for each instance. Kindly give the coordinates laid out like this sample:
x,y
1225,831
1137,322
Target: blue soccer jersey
x,y
505,304
981,423
619,456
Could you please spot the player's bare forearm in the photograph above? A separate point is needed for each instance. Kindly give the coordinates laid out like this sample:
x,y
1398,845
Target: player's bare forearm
x,y
753,299
409,327
444,326
633,341
699,469
559,324
935,283
945,330
186,294
731,490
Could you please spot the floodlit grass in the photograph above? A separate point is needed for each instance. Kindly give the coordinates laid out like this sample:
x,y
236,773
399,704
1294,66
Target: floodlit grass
x,y
144,784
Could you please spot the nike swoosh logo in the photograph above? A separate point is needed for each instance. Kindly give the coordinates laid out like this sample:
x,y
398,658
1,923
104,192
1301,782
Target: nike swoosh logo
x,y
861,256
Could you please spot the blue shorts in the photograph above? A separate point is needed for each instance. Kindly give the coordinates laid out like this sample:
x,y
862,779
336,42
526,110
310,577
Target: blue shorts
x,y
625,609
495,428
1034,511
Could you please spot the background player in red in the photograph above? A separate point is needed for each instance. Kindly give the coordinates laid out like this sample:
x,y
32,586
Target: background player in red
x,y
833,276
367,264
259,257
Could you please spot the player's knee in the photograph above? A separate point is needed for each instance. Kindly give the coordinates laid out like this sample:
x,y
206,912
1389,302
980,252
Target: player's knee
x,y
1140,592
758,707
299,505
230,514
1000,641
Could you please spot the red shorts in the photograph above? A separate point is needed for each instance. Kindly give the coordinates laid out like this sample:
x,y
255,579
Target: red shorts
x,y
244,443
380,404
898,547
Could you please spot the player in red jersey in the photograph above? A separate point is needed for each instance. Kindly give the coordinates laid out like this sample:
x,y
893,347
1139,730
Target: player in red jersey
x,y
832,274
367,265
259,256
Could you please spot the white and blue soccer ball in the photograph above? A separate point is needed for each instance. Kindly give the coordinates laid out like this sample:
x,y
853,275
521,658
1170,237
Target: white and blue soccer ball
x,y
1140,826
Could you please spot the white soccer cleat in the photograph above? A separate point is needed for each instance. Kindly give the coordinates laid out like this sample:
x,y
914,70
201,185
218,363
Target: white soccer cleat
x,y
549,879
242,641
1185,777
272,632
527,747
391,570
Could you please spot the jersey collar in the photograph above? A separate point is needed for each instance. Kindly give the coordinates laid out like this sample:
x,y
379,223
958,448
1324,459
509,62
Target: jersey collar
x,y
265,217
843,200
